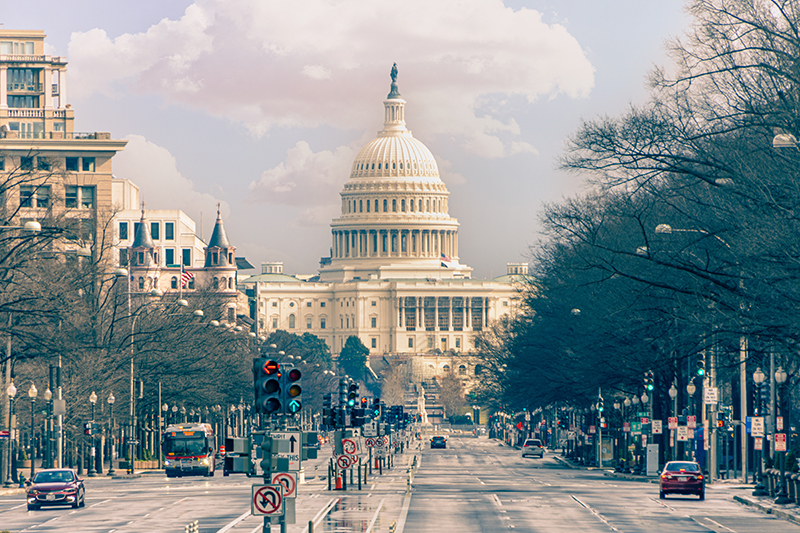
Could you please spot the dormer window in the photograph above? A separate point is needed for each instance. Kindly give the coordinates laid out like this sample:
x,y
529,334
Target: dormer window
x,y
215,258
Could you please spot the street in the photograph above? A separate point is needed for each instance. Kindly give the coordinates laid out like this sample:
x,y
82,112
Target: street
x,y
474,485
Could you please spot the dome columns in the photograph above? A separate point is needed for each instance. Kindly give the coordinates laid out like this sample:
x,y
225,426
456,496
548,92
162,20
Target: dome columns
x,y
401,243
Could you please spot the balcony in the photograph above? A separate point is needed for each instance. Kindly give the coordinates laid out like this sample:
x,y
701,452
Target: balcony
x,y
56,135
24,87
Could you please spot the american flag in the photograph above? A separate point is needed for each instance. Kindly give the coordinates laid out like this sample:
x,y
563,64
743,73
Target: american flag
x,y
185,277
445,260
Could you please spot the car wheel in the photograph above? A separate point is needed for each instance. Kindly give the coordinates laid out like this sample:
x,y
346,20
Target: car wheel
x,y
33,507
662,495
702,495
209,473
170,474
83,500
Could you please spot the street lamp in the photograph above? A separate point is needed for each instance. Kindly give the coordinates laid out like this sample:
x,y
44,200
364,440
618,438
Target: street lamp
x,y
48,396
111,401
783,497
32,393
11,391
758,378
673,393
92,470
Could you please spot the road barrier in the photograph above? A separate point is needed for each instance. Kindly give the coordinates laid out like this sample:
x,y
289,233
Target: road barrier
x,y
191,527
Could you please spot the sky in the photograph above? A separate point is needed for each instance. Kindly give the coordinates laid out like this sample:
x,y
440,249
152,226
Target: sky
x,y
262,105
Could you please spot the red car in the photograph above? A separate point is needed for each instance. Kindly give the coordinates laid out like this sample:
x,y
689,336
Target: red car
x,y
682,477
58,486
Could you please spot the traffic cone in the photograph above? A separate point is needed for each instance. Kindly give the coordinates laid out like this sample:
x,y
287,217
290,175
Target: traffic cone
x,y
339,482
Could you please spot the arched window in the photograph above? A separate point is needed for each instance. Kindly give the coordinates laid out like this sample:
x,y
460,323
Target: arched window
x,y
385,205
403,205
373,166
446,369
215,283
412,205
230,283
141,283
394,242
376,205
173,282
394,206
379,166
401,165
383,245
291,321
462,370
394,165
403,246
361,206
367,206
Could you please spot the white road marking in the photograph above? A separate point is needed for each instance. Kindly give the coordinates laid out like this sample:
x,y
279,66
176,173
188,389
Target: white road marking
x,y
720,525
496,500
100,503
598,515
232,523
374,518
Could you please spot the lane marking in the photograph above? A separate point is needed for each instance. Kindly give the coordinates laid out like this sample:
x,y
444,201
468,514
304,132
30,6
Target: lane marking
x,y
232,523
374,518
496,500
598,515
321,514
401,522
100,503
718,524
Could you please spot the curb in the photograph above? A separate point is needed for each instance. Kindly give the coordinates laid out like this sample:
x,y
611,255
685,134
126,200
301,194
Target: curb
x,y
127,476
768,509
631,477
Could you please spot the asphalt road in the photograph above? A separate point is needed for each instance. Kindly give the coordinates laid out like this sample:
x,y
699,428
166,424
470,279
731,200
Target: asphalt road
x,y
474,485
477,485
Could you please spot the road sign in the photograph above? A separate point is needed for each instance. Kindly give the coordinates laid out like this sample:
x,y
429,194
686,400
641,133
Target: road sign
x,y
757,426
4,434
673,422
779,423
636,428
710,395
345,461
267,500
370,428
626,427
293,438
592,430
758,445
780,442
369,442
657,427
691,422
349,446
289,482
683,433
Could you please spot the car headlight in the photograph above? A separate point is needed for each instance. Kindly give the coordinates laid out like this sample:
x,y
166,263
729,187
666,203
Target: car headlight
x,y
204,460
167,462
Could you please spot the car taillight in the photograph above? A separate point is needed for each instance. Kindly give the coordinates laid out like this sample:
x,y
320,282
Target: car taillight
x,y
700,476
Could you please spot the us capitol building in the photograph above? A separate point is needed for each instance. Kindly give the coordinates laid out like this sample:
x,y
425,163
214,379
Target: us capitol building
x,y
393,278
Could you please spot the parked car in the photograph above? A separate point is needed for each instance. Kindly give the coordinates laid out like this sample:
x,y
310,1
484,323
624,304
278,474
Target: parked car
x,y
438,441
533,448
56,486
682,477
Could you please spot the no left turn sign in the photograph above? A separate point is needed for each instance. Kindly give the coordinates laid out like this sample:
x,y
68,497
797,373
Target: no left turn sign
x,y
349,446
345,461
370,442
267,500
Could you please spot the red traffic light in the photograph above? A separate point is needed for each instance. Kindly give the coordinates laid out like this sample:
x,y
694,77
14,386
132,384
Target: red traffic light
x,y
295,374
271,367
364,400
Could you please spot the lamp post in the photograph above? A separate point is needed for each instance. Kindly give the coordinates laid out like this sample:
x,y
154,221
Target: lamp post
x,y
48,397
625,413
11,391
758,378
161,421
113,450
32,393
183,414
92,471
691,388
783,497
645,398
673,393
174,413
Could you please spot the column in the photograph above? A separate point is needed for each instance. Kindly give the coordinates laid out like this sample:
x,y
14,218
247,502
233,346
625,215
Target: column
x,y
435,315
420,325
3,92
47,83
468,312
62,87
450,315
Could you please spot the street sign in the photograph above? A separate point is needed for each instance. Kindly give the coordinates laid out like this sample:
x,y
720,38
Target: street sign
x,y
4,434
59,407
691,422
592,430
636,428
683,434
779,423
690,433
267,500
644,420
293,444
626,427
780,442
370,429
657,427
369,442
710,395
673,422
758,445
349,446
289,482
757,426
345,461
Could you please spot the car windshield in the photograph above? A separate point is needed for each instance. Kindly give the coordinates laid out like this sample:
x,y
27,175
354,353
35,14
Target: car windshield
x,y
438,439
533,442
185,446
53,477
677,467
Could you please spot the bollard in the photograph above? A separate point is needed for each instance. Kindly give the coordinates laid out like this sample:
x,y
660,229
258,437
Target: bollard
x,y
393,526
380,467
351,475
359,475
310,526
330,475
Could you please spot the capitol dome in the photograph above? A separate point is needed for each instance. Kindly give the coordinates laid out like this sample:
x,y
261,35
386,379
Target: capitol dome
x,y
394,220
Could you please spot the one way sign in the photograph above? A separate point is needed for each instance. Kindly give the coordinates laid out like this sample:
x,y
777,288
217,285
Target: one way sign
x,y
287,444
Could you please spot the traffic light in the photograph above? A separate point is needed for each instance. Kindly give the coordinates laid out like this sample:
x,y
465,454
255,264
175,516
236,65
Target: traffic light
x,y
701,367
291,384
357,417
266,456
327,410
91,428
600,405
352,394
266,378
364,402
376,408
649,384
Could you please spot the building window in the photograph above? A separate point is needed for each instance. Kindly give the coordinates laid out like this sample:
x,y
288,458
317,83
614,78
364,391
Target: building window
x,y
361,206
173,282
373,322
169,256
458,342
191,283
410,342
376,205
274,304
321,323
394,206
368,206
155,230
30,196
169,231
123,257
215,283
446,369
505,303
462,370
374,303
141,283
385,203
308,323
78,197
291,321
87,164
374,342
322,304
232,315
403,206
43,163
308,304
186,254
123,231
71,164
26,163
2,163
274,323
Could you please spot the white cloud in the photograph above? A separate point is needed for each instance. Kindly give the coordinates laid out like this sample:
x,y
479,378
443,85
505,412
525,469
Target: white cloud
x,y
161,186
323,62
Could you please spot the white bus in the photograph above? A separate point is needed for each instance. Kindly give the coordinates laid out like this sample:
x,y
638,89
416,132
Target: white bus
x,y
189,449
